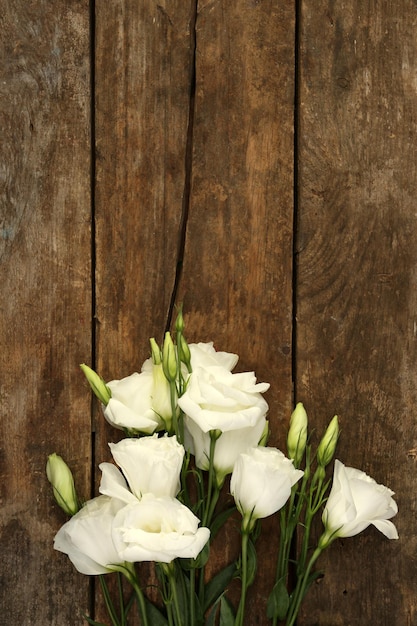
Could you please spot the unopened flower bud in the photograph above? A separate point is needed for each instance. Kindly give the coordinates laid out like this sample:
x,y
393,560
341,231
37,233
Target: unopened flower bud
x,y
265,435
155,352
327,445
185,352
161,396
297,434
60,477
97,384
169,358
179,323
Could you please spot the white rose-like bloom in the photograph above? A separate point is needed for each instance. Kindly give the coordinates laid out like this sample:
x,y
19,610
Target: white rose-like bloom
x,y
157,529
261,482
204,355
355,501
130,405
216,399
228,446
140,402
87,540
149,464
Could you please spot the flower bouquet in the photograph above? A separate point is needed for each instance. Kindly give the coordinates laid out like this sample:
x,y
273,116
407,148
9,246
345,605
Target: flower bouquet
x,y
190,422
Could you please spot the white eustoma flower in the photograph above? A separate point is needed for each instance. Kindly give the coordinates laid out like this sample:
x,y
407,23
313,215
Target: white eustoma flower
x,y
149,464
205,356
157,529
216,399
228,446
87,539
130,405
140,402
230,404
261,482
355,501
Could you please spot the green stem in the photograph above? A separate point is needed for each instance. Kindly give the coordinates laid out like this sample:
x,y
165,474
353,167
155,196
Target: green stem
x,y
121,600
244,573
192,596
209,502
212,485
165,598
173,588
175,424
316,499
108,602
130,574
300,589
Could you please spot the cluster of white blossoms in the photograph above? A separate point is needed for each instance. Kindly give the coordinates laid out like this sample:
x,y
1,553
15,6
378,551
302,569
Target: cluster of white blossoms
x,y
186,403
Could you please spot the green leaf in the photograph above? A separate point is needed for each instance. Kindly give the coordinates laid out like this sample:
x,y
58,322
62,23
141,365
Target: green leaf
x,y
227,616
184,599
155,617
310,580
212,615
278,601
220,521
217,585
252,563
93,622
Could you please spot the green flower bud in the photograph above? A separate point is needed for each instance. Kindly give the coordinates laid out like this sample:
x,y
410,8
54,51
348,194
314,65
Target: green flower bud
x,y
327,445
297,434
155,352
265,435
185,353
60,477
169,358
97,384
179,323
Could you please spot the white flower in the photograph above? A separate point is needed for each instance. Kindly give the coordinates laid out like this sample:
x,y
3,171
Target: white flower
x,y
86,538
355,501
130,405
157,529
231,404
216,399
140,402
204,355
228,446
261,482
149,464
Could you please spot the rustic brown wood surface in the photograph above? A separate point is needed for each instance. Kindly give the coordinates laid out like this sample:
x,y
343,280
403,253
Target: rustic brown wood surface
x,y
237,277
192,186
144,63
357,274
46,299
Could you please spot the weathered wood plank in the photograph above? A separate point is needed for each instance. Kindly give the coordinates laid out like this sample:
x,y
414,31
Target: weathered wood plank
x,y
237,279
45,309
356,302
143,70
143,81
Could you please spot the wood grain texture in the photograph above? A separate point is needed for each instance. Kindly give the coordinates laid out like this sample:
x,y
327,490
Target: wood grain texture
x,y
144,61
237,277
236,283
143,74
194,116
45,309
356,298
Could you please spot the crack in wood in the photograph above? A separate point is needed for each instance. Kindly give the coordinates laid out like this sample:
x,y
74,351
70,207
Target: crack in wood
x,y
188,164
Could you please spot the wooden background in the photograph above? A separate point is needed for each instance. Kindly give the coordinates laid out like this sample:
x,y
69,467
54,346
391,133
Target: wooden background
x,y
254,159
